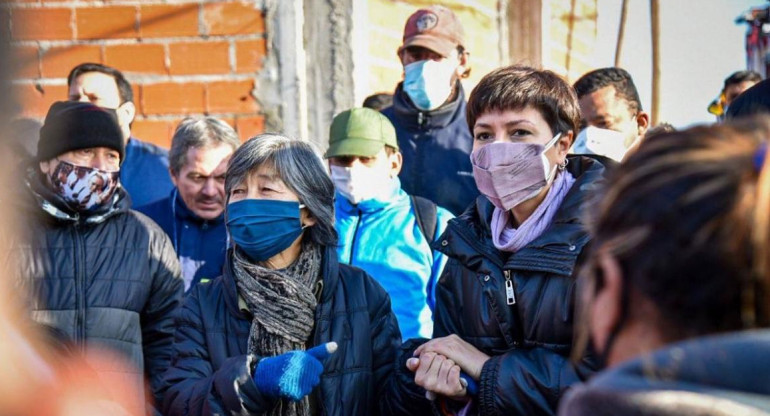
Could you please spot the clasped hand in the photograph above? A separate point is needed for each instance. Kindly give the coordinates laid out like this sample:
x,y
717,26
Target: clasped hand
x,y
448,366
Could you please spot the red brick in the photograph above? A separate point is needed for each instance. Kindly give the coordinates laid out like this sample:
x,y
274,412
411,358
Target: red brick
x,y
158,132
35,102
249,126
231,97
106,22
139,58
233,18
41,24
58,62
199,58
26,60
249,55
173,98
167,21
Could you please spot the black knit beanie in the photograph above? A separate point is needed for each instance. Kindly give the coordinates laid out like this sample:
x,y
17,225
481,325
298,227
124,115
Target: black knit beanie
x,y
73,125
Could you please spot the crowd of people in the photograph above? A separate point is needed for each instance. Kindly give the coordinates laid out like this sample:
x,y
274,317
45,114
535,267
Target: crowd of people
x,y
538,249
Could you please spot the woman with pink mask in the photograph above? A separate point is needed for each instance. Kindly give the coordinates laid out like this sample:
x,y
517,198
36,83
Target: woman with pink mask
x,y
504,304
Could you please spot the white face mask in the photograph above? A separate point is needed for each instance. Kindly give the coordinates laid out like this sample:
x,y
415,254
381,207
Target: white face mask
x,y
593,140
428,82
361,183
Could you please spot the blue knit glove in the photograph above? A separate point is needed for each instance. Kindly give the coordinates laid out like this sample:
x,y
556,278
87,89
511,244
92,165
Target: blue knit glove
x,y
294,374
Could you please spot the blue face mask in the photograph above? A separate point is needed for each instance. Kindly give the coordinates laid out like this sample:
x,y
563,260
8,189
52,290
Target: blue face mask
x,y
263,228
428,83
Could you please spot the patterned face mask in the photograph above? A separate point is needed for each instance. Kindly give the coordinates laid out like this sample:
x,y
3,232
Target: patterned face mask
x,y
84,188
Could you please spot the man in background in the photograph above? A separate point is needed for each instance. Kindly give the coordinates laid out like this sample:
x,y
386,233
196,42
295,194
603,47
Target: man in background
x,y
428,110
144,173
193,214
612,113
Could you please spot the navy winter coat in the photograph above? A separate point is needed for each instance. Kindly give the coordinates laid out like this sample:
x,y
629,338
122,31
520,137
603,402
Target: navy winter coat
x,y
109,280
144,172
211,370
530,341
200,244
725,374
436,146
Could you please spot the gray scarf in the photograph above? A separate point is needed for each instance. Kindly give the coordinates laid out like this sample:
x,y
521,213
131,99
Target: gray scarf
x,y
282,304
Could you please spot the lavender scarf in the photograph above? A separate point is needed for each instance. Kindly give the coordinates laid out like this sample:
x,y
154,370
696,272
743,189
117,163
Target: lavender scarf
x,y
507,238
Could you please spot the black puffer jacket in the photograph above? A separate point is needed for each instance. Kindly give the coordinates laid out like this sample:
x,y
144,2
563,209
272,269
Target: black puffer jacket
x,y
529,342
109,281
211,370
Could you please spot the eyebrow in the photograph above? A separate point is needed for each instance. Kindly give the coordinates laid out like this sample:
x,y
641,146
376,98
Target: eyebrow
x,y
508,124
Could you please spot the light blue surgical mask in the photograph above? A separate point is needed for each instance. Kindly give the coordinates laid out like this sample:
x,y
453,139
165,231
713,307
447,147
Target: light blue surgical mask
x,y
428,83
263,228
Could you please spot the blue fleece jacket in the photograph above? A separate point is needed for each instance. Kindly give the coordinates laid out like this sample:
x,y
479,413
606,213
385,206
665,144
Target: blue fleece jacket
x,y
200,244
382,237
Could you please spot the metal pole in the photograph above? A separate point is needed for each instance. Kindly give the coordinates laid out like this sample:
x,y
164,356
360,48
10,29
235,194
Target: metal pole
x,y
621,32
655,24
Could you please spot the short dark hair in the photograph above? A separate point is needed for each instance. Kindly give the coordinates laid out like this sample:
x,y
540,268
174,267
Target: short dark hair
x,y
741,76
615,77
124,87
378,101
515,87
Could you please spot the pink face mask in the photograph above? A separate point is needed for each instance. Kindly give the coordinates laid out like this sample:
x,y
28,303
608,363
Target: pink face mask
x,y
511,173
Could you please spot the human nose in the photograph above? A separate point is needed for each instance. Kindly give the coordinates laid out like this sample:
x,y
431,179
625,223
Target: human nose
x,y
210,187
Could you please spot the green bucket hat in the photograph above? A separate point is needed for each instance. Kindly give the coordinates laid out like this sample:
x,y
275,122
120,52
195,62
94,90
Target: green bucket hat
x,y
360,132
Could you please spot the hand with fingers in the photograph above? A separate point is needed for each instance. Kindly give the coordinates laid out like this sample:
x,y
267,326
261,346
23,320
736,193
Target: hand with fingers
x,y
292,375
438,375
462,353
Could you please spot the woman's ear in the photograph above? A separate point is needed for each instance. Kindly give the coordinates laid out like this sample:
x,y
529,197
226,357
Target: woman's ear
x,y
606,307
306,218
565,143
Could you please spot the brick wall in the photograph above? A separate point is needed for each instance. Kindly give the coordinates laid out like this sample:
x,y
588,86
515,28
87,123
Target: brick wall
x,y
183,57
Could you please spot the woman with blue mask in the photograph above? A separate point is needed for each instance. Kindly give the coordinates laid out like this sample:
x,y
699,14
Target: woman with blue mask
x,y
504,303
286,330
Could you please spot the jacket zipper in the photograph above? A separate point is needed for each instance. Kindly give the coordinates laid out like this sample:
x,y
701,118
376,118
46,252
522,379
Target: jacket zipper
x,y
355,237
510,296
80,294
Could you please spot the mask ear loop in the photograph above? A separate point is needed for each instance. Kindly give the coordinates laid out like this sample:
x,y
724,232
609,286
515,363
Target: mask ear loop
x,y
301,205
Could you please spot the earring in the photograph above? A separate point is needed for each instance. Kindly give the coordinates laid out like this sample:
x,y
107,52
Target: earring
x,y
563,165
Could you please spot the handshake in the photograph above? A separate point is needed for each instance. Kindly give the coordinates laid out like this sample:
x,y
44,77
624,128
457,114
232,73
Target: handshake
x,y
447,366
292,375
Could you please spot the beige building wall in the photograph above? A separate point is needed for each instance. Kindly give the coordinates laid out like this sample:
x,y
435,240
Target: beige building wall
x,y
569,37
378,29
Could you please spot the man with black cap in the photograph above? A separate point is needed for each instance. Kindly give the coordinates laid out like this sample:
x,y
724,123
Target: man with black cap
x,y
381,228
95,270
428,110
